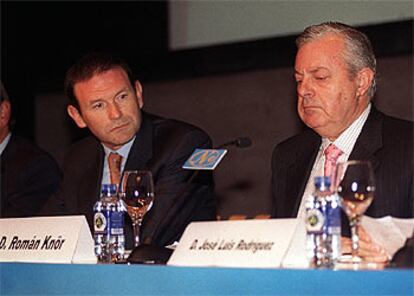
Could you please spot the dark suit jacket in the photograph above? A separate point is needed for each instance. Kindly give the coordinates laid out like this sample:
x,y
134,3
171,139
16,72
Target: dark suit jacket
x,y
161,146
386,141
29,176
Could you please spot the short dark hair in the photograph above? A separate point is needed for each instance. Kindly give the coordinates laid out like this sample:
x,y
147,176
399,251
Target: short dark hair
x,y
90,65
3,94
5,97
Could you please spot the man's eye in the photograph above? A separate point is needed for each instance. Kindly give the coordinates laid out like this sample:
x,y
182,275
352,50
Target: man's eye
x,y
298,79
97,106
123,96
321,77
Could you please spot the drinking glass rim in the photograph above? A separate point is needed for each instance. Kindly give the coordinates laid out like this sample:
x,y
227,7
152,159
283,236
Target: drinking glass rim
x,y
355,161
120,191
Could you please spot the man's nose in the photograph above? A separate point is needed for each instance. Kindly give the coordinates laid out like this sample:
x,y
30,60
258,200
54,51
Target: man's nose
x,y
114,111
305,88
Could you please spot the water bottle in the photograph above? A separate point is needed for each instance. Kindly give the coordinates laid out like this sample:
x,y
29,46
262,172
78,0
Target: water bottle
x,y
323,225
109,226
118,230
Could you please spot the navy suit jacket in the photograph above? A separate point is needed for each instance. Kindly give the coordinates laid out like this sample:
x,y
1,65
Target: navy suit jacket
x,y
161,146
385,141
29,176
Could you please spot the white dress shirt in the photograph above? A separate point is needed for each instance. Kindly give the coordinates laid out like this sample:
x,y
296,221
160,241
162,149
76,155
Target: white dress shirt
x,y
346,142
123,151
4,143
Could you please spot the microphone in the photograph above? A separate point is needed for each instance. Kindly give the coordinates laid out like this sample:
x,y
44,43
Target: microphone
x,y
150,253
240,142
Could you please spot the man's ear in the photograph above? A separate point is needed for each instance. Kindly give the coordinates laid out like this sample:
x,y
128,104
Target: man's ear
x,y
76,116
364,79
138,92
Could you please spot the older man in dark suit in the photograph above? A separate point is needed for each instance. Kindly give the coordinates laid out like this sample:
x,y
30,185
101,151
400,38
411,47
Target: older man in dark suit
x,y
335,71
105,98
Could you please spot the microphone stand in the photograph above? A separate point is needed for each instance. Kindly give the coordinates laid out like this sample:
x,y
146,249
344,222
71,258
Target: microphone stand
x,y
241,142
149,253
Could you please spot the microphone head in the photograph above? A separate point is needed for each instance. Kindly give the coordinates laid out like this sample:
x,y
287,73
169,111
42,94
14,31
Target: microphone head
x,y
243,142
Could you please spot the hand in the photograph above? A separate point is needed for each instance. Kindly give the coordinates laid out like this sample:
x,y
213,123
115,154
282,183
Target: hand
x,y
368,249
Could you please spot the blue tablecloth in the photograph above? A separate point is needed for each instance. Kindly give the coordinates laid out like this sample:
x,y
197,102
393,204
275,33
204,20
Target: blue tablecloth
x,y
100,279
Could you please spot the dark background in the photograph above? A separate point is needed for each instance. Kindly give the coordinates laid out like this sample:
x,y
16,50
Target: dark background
x,y
40,40
238,89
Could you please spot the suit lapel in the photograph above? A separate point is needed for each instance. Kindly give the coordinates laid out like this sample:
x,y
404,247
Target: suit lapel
x,y
370,139
7,156
142,148
139,156
90,186
299,172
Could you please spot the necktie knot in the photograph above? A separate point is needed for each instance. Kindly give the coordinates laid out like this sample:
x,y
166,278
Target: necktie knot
x,y
114,162
332,153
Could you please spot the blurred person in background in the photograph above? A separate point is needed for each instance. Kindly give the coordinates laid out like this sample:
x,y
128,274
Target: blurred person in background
x,y
29,175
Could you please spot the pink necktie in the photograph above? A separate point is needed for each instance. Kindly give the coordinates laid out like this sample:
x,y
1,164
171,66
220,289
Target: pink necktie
x,y
332,154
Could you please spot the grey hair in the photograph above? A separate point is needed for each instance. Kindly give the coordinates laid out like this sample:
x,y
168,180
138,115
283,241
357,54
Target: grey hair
x,y
358,52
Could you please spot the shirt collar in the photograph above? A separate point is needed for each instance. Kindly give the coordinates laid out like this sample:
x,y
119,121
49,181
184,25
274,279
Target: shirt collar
x,y
4,143
123,151
346,140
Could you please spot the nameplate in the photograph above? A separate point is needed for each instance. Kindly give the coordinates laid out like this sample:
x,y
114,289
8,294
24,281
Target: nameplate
x,y
64,239
246,243
296,254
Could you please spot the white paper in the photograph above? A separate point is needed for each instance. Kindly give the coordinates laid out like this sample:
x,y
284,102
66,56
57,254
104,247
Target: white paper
x,y
247,243
405,225
389,232
64,239
296,254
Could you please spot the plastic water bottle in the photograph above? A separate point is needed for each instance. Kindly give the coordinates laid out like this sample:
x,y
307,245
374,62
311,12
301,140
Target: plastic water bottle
x,y
109,226
118,230
323,225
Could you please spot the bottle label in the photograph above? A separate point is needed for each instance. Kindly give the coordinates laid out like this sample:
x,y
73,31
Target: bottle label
x,y
326,219
117,223
333,222
100,223
314,221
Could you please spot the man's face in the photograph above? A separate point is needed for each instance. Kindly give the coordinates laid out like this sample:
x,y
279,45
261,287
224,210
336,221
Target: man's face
x,y
329,99
5,112
109,106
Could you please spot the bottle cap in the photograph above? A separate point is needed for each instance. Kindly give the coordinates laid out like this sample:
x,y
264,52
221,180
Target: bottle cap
x,y
108,189
322,182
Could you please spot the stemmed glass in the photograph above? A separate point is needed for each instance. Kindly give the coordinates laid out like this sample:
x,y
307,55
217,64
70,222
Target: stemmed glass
x,y
137,191
356,186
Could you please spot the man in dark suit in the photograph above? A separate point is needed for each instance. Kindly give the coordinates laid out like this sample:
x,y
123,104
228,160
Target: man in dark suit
x,y
105,98
29,175
335,71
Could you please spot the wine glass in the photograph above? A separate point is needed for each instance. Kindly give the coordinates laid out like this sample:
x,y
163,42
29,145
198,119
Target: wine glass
x,y
137,191
356,186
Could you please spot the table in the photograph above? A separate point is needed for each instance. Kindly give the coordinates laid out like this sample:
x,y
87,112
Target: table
x,y
115,279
